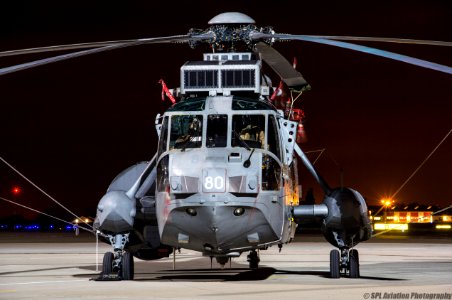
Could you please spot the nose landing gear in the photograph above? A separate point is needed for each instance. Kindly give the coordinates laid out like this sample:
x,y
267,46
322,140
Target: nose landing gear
x,y
344,262
118,265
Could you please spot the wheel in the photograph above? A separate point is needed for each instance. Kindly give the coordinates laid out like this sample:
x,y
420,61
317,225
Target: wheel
x,y
253,260
354,253
107,263
127,269
335,259
353,261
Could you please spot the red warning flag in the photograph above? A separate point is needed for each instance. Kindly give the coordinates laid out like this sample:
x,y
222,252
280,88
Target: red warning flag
x,y
165,91
280,96
278,91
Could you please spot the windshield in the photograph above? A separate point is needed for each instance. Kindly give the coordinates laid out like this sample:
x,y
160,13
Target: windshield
x,y
186,131
249,129
217,131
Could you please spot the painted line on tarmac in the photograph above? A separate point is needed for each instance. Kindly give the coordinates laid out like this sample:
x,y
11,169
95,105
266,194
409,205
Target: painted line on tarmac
x,y
42,282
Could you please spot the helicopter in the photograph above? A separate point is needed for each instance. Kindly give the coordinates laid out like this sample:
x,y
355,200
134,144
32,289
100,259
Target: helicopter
x,y
224,180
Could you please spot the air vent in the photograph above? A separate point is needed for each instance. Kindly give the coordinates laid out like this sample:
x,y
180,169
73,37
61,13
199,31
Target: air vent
x,y
200,79
238,78
221,76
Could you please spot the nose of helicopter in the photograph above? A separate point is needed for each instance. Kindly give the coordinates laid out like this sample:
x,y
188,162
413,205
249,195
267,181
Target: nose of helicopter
x,y
216,229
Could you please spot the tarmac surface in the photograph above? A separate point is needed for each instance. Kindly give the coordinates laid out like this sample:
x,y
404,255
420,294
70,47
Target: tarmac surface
x,y
60,266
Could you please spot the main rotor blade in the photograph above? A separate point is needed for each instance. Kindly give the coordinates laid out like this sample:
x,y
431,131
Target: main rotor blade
x,y
360,48
281,66
169,39
157,40
383,40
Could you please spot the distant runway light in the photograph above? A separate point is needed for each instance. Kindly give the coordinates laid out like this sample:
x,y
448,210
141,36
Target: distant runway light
x,y
16,190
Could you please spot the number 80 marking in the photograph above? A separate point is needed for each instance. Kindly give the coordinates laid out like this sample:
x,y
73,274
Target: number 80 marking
x,y
214,182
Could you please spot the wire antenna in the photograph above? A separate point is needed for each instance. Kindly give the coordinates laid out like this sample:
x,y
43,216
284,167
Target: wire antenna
x,y
42,191
420,166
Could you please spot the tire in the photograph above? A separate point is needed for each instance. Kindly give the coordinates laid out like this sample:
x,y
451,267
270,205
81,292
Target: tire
x,y
354,253
335,259
127,269
107,263
353,261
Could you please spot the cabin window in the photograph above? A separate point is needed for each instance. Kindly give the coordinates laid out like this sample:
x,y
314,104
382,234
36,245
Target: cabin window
x,y
248,131
217,131
186,131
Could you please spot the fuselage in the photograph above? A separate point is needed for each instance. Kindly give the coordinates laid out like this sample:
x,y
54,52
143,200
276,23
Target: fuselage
x,y
221,183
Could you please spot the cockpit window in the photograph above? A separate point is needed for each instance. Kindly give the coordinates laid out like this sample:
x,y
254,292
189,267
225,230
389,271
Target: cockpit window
x,y
273,138
248,131
250,104
189,104
163,142
186,131
217,131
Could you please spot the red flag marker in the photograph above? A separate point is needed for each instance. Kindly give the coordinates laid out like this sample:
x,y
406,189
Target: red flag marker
x,y
165,91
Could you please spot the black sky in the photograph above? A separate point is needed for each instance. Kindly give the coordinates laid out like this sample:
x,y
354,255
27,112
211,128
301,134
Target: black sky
x,y
72,126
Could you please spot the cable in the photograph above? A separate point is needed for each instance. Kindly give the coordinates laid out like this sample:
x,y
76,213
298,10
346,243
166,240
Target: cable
x,y
411,176
425,160
42,213
42,191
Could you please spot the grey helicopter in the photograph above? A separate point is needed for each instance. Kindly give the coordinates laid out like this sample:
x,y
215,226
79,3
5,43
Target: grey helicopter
x,y
224,180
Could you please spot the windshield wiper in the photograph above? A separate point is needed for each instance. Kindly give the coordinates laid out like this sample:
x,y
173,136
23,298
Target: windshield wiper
x,y
246,163
241,141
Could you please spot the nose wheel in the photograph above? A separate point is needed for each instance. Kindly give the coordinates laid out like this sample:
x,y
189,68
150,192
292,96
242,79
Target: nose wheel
x,y
121,266
127,268
344,262
107,263
118,265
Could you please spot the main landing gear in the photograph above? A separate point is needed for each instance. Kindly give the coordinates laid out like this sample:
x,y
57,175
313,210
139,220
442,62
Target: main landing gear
x,y
344,262
120,263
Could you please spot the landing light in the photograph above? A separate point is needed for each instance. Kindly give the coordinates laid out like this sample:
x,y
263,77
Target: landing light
x,y
239,211
191,211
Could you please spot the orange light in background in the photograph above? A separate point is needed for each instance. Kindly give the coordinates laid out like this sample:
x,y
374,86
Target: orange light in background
x,y
387,202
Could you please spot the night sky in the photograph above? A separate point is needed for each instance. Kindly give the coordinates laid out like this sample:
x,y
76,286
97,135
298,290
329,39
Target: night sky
x,y
73,126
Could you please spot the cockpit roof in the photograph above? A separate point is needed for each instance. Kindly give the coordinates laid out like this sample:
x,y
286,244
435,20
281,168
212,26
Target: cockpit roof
x,y
238,103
